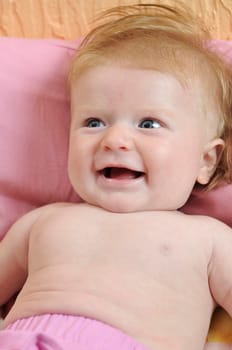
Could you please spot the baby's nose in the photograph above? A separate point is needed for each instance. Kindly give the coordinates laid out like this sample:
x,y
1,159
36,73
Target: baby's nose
x,y
117,138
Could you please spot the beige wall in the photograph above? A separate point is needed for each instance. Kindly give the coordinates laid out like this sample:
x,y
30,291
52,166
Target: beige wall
x,y
68,19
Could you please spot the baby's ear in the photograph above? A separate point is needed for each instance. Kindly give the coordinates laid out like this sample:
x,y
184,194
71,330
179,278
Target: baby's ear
x,y
210,159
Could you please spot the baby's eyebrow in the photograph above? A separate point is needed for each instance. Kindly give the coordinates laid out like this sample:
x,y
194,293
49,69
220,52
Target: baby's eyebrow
x,y
158,112
98,109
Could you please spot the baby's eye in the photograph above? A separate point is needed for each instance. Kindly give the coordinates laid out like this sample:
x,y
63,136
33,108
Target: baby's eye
x,y
94,123
150,124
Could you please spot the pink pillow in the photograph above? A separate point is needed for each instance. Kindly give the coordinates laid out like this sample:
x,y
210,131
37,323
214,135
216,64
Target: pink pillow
x,y
34,124
215,203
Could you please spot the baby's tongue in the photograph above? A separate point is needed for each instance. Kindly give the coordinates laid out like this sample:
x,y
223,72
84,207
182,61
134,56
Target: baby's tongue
x,y
122,173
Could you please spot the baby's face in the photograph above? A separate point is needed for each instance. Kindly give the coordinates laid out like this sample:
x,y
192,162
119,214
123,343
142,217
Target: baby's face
x,y
137,139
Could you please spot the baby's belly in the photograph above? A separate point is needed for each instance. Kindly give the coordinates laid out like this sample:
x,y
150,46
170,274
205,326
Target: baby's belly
x,y
143,308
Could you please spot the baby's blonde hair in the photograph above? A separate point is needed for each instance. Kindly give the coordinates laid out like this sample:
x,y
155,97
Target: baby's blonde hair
x,y
167,39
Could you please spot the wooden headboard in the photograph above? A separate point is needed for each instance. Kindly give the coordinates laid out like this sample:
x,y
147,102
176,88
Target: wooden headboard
x,y
69,19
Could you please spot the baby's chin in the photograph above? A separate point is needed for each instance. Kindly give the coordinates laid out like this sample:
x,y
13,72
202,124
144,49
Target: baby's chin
x,y
117,206
118,203
124,207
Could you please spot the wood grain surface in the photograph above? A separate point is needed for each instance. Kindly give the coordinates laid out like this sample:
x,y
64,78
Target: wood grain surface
x,y
69,19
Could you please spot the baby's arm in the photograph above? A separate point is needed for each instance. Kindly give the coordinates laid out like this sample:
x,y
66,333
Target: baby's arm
x,y
14,256
220,267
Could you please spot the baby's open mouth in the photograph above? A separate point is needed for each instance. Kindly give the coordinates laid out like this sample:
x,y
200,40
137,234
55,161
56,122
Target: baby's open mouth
x,y
120,173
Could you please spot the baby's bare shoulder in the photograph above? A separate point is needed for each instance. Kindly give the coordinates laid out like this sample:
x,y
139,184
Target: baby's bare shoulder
x,y
65,218
58,212
205,222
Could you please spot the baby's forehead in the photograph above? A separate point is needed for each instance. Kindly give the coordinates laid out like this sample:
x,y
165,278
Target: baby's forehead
x,y
188,71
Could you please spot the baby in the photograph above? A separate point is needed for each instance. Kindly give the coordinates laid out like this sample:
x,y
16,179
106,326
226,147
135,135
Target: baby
x,y
151,117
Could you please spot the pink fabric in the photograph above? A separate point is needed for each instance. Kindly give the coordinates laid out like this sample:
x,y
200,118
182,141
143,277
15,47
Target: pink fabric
x,y
215,203
64,332
34,124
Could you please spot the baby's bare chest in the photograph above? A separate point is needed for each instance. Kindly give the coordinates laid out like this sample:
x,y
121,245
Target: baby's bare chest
x,y
131,270
149,246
